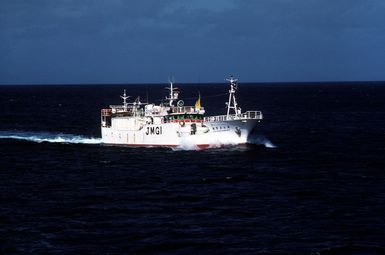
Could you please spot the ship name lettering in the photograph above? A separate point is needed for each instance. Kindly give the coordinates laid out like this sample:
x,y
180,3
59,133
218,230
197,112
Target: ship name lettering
x,y
154,131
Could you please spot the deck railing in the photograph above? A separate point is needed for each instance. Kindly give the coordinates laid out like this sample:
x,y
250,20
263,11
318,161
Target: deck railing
x,y
243,116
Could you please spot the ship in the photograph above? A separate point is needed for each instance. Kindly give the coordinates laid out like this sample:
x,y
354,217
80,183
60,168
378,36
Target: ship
x,y
173,124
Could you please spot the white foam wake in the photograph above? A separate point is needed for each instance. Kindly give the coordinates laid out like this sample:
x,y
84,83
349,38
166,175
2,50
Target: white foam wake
x,y
40,137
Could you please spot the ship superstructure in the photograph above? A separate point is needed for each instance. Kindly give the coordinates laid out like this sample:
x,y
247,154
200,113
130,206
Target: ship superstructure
x,y
172,124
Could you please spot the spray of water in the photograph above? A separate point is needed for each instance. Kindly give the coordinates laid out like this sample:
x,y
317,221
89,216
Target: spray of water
x,y
40,137
220,141
215,141
262,140
186,146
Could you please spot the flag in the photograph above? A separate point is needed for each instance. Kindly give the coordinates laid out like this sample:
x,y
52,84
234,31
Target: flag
x,y
198,103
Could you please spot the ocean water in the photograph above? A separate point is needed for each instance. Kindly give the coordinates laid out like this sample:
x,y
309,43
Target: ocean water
x,y
313,182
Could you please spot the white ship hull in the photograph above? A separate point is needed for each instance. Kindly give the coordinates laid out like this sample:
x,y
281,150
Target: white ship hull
x,y
209,134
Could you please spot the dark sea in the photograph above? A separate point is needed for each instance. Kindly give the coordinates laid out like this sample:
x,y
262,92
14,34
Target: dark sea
x,y
313,182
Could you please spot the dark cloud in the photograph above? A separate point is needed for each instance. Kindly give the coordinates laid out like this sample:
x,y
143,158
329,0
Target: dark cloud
x,y
146,41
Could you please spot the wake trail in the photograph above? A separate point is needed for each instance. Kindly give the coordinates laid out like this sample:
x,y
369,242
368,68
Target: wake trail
x,y
50,137
40,137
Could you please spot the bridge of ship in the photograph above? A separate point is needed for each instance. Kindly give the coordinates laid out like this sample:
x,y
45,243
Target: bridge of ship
x,y
184,114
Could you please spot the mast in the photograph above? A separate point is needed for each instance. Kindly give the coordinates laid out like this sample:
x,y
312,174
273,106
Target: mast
x,y
232,103
173,93
124,97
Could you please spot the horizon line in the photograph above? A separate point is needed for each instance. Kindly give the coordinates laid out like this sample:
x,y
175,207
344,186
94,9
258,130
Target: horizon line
x,y
186,83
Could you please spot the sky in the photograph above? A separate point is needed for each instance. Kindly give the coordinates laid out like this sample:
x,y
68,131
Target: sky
x,y
149,41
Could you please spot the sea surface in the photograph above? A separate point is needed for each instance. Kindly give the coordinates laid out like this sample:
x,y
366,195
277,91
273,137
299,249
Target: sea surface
x,y
313,182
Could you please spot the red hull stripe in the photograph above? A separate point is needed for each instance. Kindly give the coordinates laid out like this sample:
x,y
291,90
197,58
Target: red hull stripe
x,y
200,146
